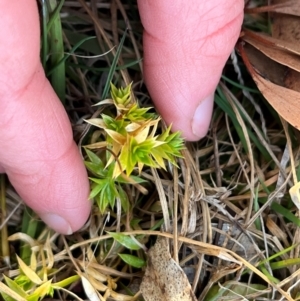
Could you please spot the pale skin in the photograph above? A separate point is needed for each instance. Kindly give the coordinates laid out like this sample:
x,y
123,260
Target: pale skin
x,y
185,49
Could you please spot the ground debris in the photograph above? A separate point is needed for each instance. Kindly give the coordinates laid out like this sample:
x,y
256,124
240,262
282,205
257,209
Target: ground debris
x,y
164,279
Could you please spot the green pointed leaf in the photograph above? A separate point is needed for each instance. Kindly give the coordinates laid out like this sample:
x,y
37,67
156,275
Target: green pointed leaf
x,y
121,96
124,198
96,189
105,200
15,287
24,282
125,240
100,202
139,114
66,282
7,297
112,68
134,179
8,294
133,260
41,291
101,182
95,169
105,194
111,193
94,158
159,157
126,159
117,125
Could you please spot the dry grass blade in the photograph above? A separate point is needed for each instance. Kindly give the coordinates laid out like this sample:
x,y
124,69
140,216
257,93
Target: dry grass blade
x,y
219,252
287,7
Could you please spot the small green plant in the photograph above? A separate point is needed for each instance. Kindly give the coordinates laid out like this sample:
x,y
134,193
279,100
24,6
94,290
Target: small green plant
x,y
126,143
32,282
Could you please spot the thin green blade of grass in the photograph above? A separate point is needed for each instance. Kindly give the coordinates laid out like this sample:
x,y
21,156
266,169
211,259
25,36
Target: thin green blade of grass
x,y
224,105
280,263
56,48
91,46
65,282
55,15
257,222
285,263
63,60
227,109
44,35
29,226
239,86
270,277
285,213
105,69
113,67
278,254
278,208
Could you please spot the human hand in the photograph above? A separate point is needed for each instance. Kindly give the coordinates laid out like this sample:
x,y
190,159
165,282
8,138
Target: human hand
x,y
37,150
186,45
183,62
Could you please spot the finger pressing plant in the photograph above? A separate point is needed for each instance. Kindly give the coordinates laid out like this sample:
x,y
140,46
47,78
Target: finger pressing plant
x,y
128,140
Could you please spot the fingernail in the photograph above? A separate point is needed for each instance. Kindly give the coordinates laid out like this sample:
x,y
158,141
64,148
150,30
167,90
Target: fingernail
x,y
202,116
57,223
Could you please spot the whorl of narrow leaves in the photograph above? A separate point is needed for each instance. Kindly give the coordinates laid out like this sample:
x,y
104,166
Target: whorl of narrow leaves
x,y
131,136
131,143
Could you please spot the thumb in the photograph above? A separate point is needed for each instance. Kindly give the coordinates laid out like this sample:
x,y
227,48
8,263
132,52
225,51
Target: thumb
x,y
37,151
40,158
186,46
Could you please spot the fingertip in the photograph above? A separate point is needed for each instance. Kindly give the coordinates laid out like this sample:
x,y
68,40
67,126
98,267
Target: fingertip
x,y
57,223
63,222
182,64
193,124
68,207
57,191
201,119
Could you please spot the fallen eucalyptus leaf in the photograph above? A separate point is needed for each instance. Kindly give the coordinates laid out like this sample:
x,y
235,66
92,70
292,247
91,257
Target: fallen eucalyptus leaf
x,y
284,100
164,279
277,54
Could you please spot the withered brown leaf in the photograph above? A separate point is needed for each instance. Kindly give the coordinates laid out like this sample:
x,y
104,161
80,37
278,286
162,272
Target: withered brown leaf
x,y
274,61
164,280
